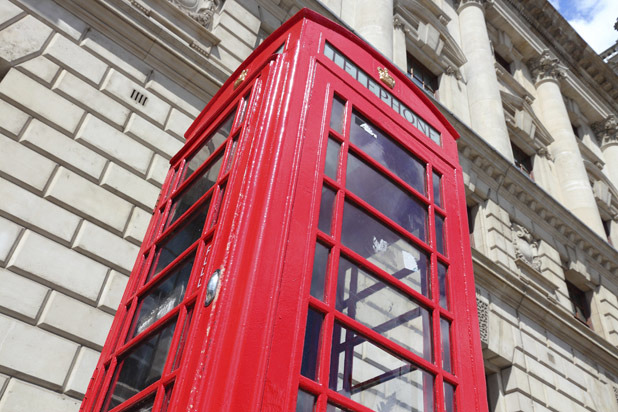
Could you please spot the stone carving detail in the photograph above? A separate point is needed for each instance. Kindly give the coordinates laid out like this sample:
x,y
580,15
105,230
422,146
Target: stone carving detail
x,y
606,130
543,152
483,311
201,11
453,71
526,247
546,67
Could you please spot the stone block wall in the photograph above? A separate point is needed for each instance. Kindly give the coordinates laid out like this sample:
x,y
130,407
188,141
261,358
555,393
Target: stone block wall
x,y
87,130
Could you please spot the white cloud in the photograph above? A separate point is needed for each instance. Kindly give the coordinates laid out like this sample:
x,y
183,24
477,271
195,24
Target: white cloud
x,y
592,19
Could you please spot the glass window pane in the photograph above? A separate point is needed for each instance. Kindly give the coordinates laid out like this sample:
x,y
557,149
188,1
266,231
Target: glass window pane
x,y
209,146
376,379
243,109
311,346
141,367
230,158
445,333
337,114
442,273
145,405
449,397
440,234
326,210
332,159
332,408
178,241
375,304
183,339
194,191
305,402
318,275
163,297
387,197
437,192
384,248
388,153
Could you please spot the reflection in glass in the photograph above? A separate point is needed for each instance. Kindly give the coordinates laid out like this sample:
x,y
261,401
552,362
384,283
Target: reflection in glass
x,y
178,241
445,333
305,402
209,146
166,399
230,157
332,159
389,154
387,197
145,405
332,408
326,210
376,379
243,109
141,367
442,273
449,398
377,305
311,346
384,248
440,234
318,276
163,297
183,339
437,192
336,114
194,191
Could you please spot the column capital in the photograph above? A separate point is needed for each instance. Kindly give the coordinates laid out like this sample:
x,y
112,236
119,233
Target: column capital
x,y
398,24
464,3
606,130
546,67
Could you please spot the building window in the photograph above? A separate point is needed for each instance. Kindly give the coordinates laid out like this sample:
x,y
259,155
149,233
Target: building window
x,y
580,302
607,225
472,210
503,62
421,75
522,161
576,131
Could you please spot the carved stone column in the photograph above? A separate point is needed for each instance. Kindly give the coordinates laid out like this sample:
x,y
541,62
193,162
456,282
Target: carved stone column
x,y
374,22
577,195
486,112
606,132
400,57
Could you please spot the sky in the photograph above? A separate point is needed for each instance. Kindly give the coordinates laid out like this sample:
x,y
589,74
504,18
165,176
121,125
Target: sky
x,y
593,19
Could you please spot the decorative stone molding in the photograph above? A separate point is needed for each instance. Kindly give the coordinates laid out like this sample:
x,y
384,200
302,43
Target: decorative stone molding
x,y
140,7
546,67
483,312
398,24
453,71
543,152
526,247
606,130
201,11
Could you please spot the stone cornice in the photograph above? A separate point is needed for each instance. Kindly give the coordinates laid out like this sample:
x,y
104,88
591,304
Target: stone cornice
x,y
546,67
543,20
606,131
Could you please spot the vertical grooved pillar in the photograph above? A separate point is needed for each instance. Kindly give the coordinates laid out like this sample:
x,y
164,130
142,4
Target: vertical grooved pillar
x,y
486,112
577,193
374,22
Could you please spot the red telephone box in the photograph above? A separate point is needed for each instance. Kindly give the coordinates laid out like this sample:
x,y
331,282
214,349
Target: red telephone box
x,y
308,251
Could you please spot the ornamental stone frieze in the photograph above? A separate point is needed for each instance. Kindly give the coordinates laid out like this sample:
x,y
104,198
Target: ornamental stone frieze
x,y
526,247
201,11
546,67
606,130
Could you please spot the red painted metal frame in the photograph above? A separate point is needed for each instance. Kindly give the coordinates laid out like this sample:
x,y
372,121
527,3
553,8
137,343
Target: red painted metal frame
x,y
243,352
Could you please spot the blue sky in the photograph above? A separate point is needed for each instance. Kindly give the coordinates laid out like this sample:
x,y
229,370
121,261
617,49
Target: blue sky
x,y
592,19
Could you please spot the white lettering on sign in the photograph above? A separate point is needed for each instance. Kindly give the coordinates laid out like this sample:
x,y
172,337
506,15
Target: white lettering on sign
x,y
381,93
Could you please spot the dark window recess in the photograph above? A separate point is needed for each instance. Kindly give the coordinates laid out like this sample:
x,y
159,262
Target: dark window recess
x,y
580,303
522,161
503,62
421,75
472,211
607,225
575,131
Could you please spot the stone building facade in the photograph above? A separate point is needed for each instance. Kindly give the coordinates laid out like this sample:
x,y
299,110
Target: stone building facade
x,y
95,97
